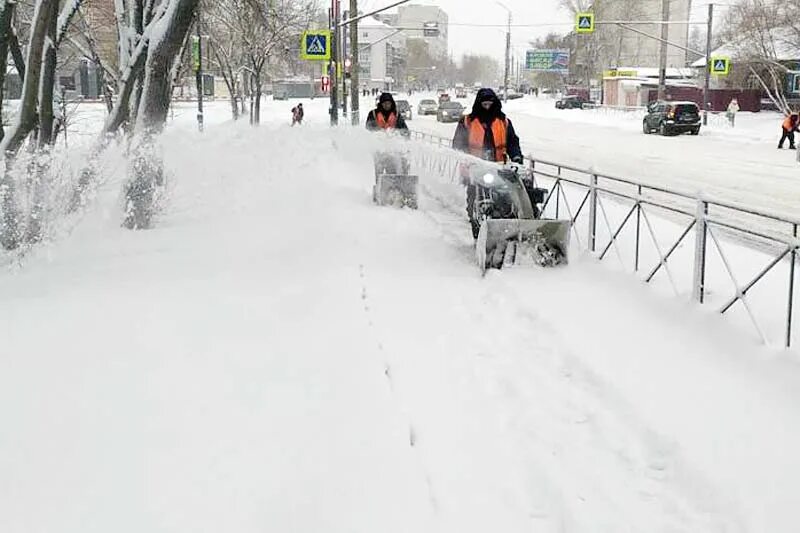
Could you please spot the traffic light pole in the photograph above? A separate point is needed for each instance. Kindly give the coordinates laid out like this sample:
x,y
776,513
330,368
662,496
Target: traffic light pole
x,y
334,65
343,62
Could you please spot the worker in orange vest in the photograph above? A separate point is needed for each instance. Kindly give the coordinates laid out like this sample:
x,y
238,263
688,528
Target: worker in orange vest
x,y
790,125
386,117
486,133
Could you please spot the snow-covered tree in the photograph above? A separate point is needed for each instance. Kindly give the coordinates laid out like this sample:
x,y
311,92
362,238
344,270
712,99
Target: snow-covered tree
x,y
763,35
248,34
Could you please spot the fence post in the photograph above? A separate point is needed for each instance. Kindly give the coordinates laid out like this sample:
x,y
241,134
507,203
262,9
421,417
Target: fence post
x,y
593,212
700,249
638,227
557,190
790,307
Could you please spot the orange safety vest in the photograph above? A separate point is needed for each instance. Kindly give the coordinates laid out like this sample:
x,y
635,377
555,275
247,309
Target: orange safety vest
x,y
384,123
477,133
789,123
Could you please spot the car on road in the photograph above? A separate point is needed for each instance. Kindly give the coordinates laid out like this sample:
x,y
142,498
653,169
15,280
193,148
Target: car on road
x,y
461,91
672,118
450,112
427,107
404,108
572,101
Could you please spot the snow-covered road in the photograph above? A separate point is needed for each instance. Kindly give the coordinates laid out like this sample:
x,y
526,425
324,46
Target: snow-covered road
x,y
742,165
279,354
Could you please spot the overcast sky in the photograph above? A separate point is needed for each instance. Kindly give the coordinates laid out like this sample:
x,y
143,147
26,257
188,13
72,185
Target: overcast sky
x,y
544,15
465,39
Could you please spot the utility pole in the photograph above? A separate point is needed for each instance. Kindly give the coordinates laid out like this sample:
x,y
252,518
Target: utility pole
x,y
508,57
508,50
334,65
662,73
354,82
707,88
199,77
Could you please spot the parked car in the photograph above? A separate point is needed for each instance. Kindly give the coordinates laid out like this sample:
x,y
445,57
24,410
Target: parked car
x,y
449,112
427,107
671,118
404,108
571,102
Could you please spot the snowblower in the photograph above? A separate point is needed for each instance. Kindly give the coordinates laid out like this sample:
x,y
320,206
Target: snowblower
x,y
394,186
507,210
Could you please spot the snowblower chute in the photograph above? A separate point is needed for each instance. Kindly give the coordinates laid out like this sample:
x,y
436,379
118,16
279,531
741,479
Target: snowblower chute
x,y
506,214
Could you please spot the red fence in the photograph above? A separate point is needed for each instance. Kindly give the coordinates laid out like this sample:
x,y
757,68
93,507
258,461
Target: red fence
x,y
749,100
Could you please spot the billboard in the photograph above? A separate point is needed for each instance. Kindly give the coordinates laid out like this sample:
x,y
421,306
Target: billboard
x,y
547,61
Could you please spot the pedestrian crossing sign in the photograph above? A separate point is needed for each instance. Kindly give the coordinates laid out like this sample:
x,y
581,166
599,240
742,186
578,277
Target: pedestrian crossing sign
x,y
316,45
720,66
584,23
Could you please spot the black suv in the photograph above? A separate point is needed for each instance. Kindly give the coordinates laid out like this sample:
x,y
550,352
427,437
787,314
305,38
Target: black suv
x,y
571,102
672,118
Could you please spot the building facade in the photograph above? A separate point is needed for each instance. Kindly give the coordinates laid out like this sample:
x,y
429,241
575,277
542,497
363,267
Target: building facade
x,y
382,55
414,18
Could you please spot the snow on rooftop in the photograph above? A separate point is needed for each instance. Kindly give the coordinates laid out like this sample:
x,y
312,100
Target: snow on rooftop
x,y
373,23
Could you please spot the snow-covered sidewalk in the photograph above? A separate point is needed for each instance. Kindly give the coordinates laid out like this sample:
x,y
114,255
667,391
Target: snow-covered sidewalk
x,y
281,354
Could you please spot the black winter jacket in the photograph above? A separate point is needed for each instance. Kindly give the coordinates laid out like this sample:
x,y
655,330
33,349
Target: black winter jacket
x,y
461,137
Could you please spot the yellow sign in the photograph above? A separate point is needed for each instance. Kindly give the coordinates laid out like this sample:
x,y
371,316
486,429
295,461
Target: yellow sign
x,y
316,45
720,66
584,23
619,73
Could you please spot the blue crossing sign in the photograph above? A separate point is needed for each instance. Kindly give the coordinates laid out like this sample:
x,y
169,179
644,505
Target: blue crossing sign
x,y
720,66
316,45
584,23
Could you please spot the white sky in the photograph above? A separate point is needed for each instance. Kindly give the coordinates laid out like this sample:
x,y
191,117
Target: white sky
x,y
545,13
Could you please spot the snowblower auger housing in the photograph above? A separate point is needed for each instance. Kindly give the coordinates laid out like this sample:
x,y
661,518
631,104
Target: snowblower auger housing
x,y
511,228
394,185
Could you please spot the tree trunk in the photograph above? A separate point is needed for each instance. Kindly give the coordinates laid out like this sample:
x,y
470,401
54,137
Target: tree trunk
x,y
156,96
127,85
6,16
39,169
16,54
255,102
136,98
230,80
46,116
30,88
146,172
9,229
